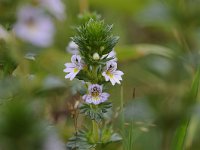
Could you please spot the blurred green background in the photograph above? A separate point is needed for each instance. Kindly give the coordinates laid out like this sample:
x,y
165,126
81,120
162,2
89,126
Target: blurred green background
x,y
158,52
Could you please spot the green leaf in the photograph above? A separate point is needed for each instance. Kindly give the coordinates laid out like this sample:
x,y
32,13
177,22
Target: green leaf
x,y
180,136
79,142
95,112
7,62
182,130
107,135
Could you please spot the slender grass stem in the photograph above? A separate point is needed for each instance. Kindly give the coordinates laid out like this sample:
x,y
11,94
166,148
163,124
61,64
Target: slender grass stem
x,y
182,132
84,5
122,108
194,92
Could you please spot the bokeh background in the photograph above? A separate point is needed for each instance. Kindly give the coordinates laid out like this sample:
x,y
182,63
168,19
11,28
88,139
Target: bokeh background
x,y
158,52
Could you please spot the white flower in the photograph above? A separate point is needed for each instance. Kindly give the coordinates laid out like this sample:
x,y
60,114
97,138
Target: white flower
x,y
95,95
56,7
34,26
73,68
72,48
111,73
112,55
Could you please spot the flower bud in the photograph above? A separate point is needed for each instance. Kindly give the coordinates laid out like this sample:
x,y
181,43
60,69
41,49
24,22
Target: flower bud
x,y
96,56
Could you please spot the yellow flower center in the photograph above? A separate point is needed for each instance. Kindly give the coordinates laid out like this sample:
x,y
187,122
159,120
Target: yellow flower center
x,y
76,70
95,94
109,74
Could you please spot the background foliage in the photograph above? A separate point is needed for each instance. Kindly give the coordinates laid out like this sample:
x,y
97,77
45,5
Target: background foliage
x,y
158,51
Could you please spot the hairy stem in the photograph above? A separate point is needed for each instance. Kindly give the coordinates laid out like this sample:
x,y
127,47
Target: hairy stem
x,y
95,131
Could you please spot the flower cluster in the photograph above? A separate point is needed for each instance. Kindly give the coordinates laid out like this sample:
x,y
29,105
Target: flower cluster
x,y
94,60
34,25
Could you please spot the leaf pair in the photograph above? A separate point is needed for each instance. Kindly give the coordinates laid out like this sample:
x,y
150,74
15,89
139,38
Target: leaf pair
x,y
95,113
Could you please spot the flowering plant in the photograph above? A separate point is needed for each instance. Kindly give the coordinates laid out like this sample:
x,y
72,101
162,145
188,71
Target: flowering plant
x,y
94,62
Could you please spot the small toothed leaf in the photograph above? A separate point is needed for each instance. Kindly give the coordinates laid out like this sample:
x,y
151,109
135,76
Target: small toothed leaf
x,y
95,113
79,142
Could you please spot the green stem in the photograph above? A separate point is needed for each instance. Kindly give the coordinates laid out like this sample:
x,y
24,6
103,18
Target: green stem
x,y
95,131
194,94
182,131
125,145
84,5
95,74
122,108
